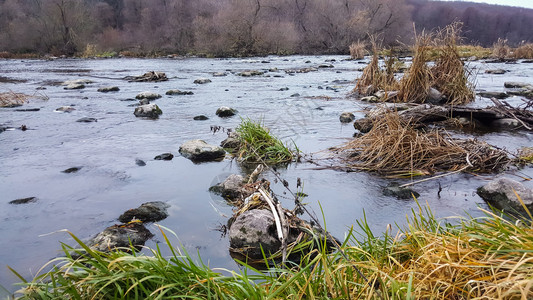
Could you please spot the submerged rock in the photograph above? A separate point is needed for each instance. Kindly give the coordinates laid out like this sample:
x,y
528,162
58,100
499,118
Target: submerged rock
x,y
147,212
109,89
140,162
65,109
497,95
23,200
517,85
178,92
225,112
346,117
251,73
394,190
151,111
74,86
87,120
500,194
200,118
120,236
496,71
199,150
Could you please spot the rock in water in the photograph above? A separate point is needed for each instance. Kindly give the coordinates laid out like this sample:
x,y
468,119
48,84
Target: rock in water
x,y
346,117
23,200
147,212
230,188
87,120
151,111
225,112
164,156
202,80
120,236
140,162
178,92
148,95
500,194
253,230
200,118
109,89
198,151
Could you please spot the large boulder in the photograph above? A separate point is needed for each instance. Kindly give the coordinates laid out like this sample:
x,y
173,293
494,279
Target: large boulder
x,y
199,150
500,193
230,188
151,111
147,212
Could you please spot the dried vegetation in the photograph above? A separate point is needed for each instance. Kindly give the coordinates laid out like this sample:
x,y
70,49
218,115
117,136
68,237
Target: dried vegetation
x,y
12,99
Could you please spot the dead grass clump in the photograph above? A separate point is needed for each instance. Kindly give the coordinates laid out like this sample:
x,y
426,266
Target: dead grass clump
x,y
374,77
500,49
394,147
524,51
415,84
449,74
11,99
358,50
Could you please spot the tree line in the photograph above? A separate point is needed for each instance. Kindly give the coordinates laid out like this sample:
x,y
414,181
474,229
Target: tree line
x,y
240,27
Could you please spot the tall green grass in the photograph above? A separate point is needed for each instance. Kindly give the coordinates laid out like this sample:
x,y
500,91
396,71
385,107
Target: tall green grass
x,y
490,257
257,144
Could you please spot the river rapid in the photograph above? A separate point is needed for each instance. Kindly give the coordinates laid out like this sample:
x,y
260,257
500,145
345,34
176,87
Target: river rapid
x,y
299,107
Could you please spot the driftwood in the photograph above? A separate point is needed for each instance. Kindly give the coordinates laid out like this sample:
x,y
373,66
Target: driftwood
x,y
151,76
426,114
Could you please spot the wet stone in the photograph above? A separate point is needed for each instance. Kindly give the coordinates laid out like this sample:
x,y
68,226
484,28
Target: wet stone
x,y
394,190
140,162
109,89
87,120
202,80
497,95
151,111
164,156
65,109
230,188
23,200
178,92
200,118
72,170
500,193
74,86
120,236
346,117
225,112
200,151
148,95
147,212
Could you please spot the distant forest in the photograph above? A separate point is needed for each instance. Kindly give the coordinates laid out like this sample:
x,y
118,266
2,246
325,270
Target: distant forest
x,y
243,27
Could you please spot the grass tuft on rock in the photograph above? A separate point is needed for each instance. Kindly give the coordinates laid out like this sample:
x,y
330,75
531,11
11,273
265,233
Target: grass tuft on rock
x,y
257,145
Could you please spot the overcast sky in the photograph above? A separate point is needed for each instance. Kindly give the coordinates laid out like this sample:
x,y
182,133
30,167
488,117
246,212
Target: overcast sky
x,y
521,3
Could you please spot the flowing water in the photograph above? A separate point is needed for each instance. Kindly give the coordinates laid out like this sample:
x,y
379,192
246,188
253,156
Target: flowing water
x,y
302,107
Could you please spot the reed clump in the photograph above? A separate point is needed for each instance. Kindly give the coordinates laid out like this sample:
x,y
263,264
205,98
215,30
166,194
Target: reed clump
x,y
500,49
12,99
524,51
358,50
450,76
374,76
394,147
257,144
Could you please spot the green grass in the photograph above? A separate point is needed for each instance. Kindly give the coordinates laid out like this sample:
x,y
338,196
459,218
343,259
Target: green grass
x,y
490,257
257,144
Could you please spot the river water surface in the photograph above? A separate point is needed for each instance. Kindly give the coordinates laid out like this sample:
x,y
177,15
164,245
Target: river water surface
x,y
302,107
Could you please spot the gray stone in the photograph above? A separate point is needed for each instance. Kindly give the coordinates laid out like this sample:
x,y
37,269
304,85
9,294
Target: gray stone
x,y
147,212
496,71
370,99
434,96
109,89
506,123
519,85
346,117
120,236
72,170
394,190
198,151
497,95
225,112
140,162
87,120
65,109
148,95
178,92
202,80
151,111
219,74
164,156
253,230
500,194
200,118
230,188
23,201
74,86
231,142
251,73
77,81
144,102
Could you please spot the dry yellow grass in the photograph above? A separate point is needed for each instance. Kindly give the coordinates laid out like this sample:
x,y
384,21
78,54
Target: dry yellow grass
x,y
11,99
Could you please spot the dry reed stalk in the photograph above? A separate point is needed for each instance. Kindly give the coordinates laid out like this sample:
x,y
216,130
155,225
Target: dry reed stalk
x,y
394,147
415,84
11,99
449,74
524,51
358,50
500,49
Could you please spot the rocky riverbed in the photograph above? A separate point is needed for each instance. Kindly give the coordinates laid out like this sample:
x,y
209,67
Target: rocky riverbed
x,y
82,120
